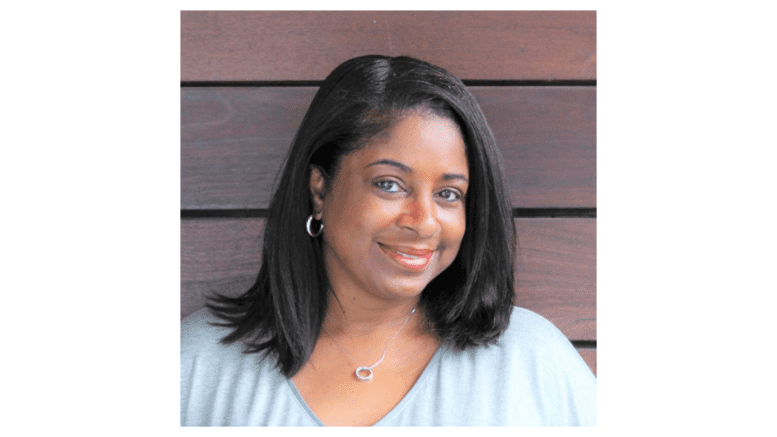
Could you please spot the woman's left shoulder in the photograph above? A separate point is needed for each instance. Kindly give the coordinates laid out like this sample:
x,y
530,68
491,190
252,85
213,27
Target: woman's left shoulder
x,y
531,328
532,373
530,333
566,383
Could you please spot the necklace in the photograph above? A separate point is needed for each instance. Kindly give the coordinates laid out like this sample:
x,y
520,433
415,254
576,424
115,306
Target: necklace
x,y
368,369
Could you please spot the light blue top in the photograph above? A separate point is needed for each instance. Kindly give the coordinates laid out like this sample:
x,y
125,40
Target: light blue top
x,y
532,377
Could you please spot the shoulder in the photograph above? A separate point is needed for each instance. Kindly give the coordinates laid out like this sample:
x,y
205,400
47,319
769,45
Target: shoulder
x,y
533,373
198,328
530,335
221,385
531,343
201,337
530,330
566,383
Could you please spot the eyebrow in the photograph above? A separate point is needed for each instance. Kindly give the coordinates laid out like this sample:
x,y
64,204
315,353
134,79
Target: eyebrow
x,y
403,167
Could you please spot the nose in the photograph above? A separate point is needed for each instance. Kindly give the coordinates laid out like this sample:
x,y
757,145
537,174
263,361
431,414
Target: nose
x,y
420,216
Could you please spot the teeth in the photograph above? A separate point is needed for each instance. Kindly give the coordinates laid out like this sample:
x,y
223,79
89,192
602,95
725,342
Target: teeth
x,y
406,255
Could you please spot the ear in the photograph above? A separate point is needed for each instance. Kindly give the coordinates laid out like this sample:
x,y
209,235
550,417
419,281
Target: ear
x,y
317,190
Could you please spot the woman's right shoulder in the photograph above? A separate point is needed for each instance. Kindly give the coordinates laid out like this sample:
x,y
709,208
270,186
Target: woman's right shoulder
x,y
200,336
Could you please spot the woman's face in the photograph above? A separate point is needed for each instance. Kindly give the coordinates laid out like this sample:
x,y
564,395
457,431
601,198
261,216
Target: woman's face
x,y
394,213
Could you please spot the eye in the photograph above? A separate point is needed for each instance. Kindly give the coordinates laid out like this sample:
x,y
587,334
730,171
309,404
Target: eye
x,y
388,186
450,195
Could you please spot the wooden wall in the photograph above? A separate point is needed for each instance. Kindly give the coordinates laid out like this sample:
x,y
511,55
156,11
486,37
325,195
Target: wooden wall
x,y
248,77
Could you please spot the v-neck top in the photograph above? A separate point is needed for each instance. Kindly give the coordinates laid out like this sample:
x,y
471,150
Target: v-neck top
x,y
533,376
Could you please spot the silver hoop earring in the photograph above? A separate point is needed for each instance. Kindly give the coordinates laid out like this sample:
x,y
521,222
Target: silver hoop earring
x,y
310,230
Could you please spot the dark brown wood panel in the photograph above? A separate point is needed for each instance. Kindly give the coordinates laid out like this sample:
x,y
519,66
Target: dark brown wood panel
x,y
234,139
556,273
589,356
218,255
307,45
547,136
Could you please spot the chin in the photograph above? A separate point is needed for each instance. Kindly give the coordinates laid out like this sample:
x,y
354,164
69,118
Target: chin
x,y
405,289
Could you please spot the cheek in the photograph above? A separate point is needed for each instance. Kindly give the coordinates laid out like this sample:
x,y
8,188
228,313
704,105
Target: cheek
x,y
377,214
359,219
455,225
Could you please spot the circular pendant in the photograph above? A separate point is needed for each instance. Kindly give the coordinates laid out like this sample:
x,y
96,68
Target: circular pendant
x,y
364,378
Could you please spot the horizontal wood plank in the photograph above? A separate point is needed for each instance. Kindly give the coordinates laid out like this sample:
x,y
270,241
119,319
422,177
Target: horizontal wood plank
x,y
218,256
556,273
307,45
234,139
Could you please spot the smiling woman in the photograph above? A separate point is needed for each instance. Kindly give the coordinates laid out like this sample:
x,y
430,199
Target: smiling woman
x,y
386,285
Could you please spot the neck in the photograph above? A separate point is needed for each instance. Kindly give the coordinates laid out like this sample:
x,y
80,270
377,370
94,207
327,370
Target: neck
x,y
351,317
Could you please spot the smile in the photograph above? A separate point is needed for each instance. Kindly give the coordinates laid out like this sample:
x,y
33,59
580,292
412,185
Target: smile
x,y
413,259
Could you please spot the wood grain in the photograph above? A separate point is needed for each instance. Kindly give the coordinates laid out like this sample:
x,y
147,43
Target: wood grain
x,y
233,141
307,45
218,255
556,270
547,136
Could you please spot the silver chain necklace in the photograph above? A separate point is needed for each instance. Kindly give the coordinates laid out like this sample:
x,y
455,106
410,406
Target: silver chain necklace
x,y
368,369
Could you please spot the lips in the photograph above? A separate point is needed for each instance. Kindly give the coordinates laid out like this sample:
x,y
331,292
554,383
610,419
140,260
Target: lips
x,y
408,257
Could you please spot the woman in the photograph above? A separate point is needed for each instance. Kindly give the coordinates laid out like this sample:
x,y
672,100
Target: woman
x,y
386,285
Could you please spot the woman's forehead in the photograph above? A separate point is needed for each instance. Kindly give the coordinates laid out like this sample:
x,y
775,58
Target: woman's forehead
x,y
417,140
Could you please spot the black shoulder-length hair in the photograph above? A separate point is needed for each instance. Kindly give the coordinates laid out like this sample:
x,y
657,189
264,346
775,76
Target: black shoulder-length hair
x,y
468,305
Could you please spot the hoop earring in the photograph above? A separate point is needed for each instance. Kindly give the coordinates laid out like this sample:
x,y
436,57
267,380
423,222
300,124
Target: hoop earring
x,y
310,230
